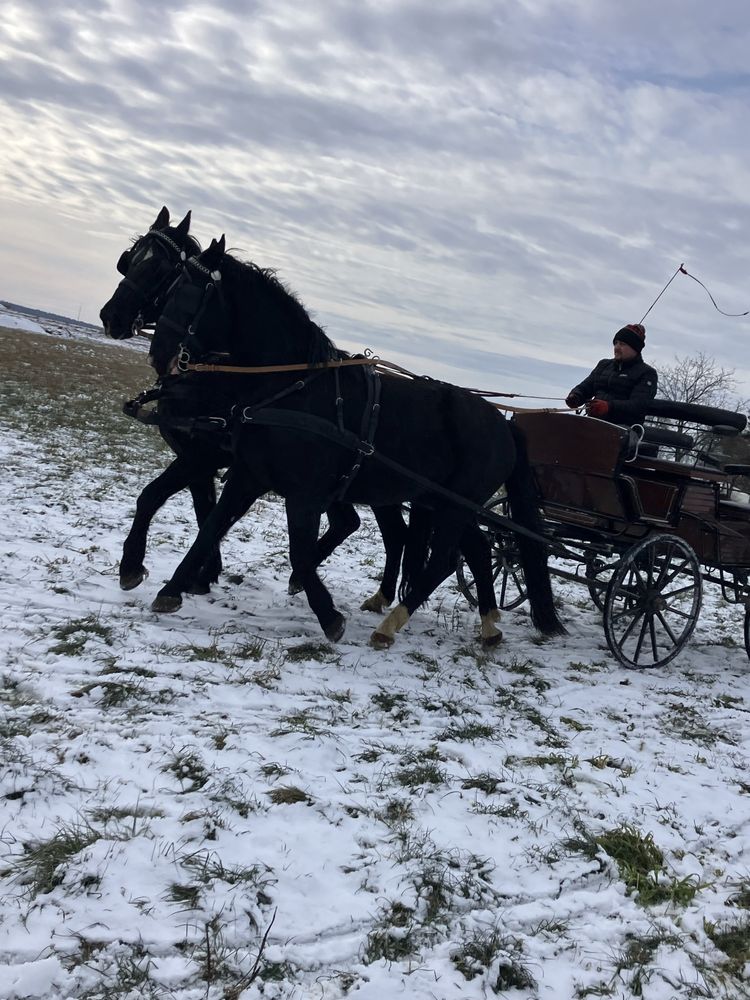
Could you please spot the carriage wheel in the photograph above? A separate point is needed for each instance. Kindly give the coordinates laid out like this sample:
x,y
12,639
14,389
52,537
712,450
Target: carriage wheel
x,y
747,629
507,575
598,574
652,602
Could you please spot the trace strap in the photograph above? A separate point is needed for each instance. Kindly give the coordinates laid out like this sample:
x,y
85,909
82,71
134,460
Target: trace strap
x,y
308,423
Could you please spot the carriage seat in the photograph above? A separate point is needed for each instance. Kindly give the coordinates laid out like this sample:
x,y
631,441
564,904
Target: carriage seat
x,y
646,444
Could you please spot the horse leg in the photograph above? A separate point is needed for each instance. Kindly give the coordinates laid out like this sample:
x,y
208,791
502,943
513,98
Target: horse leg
x,y
175,478
343,520
203,492
303,522
238,495
393,529
478,556
446,535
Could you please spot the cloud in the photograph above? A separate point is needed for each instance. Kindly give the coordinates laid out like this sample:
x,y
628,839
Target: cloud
x,y
476,178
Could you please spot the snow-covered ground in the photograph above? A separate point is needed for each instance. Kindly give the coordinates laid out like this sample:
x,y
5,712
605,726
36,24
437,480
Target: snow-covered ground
x,y
15,321
220,804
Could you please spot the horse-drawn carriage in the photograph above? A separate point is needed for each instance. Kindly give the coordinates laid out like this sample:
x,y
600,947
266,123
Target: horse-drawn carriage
x,y
641,518
642,530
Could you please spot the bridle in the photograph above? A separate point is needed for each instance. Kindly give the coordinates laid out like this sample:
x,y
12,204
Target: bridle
x,y
190,295
169,261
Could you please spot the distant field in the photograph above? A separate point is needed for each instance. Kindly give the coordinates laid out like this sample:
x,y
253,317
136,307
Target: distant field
x,y
76,386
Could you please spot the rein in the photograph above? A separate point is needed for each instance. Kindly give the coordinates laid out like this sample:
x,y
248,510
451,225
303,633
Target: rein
x,y
377,364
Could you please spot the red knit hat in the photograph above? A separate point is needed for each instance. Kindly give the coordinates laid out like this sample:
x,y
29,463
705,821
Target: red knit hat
x,y
634,335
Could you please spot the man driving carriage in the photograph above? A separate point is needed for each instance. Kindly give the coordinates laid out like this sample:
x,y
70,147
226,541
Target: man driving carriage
x,y
620,388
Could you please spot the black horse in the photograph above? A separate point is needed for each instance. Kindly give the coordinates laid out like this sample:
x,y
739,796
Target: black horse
x,y
192,414
384,438
149,267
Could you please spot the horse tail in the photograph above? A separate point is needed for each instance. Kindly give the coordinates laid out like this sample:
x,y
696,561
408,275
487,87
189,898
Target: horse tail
x,y
416,548
524,510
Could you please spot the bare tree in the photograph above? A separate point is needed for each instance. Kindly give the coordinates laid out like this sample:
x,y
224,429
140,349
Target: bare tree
x,y
698,379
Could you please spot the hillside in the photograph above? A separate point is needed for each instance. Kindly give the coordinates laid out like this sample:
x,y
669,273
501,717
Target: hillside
x,y
220,804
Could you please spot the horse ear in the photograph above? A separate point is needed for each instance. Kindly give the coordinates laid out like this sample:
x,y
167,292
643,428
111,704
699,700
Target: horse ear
x,y
184,227
162,219
215,250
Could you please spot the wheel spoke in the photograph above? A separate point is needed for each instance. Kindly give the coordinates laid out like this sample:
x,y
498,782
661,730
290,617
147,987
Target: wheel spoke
x,y
682,590
667,628
652,630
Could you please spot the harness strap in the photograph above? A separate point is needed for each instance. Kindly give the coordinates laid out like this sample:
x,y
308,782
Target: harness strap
x,y
134,407
308,423
267,369
370,415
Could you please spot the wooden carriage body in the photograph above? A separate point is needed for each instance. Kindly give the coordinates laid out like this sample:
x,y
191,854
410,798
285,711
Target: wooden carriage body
x,y
594,483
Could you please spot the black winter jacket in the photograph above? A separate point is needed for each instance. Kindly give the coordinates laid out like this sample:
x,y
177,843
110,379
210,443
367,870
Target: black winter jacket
x,y
628,387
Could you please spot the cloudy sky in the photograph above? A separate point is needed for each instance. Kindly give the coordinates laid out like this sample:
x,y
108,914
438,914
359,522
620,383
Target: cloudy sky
x,y
483,190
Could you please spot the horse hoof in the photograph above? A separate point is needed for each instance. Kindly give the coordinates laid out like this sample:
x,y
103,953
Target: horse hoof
x,y
379,640
336,629
295,587
491,640
129,581
165,604
376,603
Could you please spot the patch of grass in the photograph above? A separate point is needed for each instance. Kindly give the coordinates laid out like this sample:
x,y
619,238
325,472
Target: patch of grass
x,y
428,662
288,795
42,865
393,938
574,724
274,770
636,956
484,782
207,867
187,896
188,768
733,940
113,693
254,648
322,652
687,723
741,898
73,636
303,721
397,812
469,732
508,810
393,702
477,953
511,975
640,864
421,767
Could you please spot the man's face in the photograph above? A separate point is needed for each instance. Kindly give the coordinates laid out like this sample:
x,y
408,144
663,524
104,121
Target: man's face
x,y
623,351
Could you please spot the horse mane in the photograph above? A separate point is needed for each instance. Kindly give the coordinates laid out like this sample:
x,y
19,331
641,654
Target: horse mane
x,y
262,289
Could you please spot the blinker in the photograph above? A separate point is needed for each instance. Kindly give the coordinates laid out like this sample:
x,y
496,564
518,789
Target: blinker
x,y
124,262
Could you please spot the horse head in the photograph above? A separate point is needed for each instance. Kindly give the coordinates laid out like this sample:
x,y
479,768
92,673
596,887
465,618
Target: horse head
x,y
148,267
194,323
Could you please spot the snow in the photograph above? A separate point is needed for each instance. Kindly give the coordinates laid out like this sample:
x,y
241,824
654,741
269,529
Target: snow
x,y
147,845
13,321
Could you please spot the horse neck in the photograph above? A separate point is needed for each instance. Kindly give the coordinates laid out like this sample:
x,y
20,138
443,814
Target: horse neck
x,y
267,330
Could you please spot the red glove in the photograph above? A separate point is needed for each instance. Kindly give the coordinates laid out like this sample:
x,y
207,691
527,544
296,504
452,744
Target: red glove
x,y
573,401
597,408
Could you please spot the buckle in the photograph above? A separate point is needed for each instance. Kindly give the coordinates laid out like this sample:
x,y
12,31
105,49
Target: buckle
x,y
183,360
365,448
